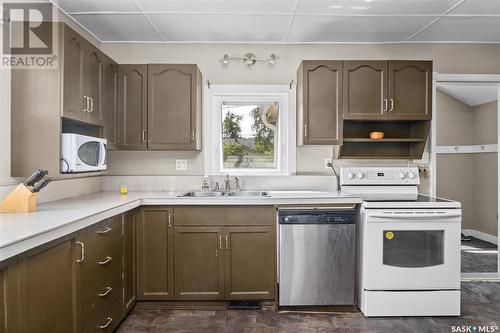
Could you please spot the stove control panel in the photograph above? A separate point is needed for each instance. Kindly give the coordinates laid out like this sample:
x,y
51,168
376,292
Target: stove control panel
x,y
379,176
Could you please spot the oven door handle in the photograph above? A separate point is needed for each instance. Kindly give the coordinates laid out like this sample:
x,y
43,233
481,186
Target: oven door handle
x,y
415,216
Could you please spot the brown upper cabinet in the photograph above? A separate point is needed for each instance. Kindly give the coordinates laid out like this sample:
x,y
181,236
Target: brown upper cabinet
x,y
397,90
319,103
410,90
174,107
82,85
132,107
110,103
365,89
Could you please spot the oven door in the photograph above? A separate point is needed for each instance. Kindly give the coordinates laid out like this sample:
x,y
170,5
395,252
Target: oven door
x,y
411,249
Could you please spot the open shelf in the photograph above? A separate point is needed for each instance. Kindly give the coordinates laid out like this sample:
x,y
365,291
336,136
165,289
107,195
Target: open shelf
x,y
383,140
403,139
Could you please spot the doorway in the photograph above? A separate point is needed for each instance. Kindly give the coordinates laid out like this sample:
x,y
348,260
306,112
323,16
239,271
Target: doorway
x,y
465,164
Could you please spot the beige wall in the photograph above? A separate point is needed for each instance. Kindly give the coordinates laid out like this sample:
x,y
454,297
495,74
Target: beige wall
x,y
55,190
469,178
448,58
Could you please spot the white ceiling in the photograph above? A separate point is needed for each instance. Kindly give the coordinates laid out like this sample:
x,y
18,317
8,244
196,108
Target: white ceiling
x,y
287,21
470,94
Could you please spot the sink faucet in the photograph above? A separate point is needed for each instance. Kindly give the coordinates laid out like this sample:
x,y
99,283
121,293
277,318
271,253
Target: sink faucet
x,y
227,184
237,180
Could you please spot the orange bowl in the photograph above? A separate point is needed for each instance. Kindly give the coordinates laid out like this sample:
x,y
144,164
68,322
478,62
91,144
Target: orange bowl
x,y
376,135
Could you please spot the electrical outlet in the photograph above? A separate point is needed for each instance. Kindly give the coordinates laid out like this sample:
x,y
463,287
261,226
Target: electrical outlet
x,y
181,165
327,160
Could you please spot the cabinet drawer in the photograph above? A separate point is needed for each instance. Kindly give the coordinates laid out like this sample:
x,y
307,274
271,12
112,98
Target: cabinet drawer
x,y
101,295
217,215
108,319
100,263
102,233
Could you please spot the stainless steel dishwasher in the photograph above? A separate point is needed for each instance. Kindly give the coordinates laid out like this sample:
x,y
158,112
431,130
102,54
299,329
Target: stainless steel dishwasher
x,y
317,256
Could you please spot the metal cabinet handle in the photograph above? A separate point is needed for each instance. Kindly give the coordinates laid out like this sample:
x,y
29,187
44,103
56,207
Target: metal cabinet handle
x,y
106,261
105,230
143,135
305,130
220,242
82,252
110,320
106,293
385,104
227,242
91,104
392,105
170,224
85,104
193,135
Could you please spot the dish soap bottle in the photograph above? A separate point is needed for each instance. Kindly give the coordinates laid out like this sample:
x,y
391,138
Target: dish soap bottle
x,y
205,184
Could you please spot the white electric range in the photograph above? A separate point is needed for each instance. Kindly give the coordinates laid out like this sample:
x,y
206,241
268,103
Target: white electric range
x,y
408,253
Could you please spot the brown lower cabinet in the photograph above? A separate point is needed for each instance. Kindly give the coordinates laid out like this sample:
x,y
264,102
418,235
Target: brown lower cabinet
x,y
207,253
129,260
155,279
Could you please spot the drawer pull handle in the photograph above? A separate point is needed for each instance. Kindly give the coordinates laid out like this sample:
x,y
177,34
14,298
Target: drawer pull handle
x,y
227,242
106,261
82,252
110,320
105,230
106,293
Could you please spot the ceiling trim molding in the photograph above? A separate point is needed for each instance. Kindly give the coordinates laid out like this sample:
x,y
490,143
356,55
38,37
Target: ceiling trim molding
x,y
291,21
293,43
150,21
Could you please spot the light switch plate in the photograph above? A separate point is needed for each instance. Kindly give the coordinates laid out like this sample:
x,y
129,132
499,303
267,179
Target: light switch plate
x,y
181,165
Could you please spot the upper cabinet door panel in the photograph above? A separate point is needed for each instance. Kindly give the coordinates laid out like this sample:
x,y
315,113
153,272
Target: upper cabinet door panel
x,y
132,106
365,90
322,102
410,90
109,103
172,107
93,65
73,101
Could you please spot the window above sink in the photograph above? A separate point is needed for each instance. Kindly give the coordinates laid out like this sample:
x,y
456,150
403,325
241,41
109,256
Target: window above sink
x,y
248,130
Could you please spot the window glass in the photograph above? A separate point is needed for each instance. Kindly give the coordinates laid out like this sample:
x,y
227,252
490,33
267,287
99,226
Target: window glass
x,y
250,135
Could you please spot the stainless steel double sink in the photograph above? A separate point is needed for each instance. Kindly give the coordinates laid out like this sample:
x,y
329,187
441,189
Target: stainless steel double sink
x,y
212,194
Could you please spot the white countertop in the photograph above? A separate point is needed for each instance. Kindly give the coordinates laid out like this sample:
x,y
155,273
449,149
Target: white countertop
x,y
52,220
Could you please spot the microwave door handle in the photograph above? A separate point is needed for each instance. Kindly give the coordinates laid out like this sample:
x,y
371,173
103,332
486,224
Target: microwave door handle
x,y
102,154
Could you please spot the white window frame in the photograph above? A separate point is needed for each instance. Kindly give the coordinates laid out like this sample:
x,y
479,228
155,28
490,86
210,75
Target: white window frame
x,y
212,125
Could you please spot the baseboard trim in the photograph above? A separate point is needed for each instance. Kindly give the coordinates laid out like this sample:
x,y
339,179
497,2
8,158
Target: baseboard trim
x,y
481,235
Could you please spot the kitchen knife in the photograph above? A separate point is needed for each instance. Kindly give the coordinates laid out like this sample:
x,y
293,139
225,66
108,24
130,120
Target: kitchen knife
x,y
35,177
39,185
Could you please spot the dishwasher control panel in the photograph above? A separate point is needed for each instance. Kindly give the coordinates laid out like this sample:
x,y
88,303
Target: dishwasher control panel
x,y
317,216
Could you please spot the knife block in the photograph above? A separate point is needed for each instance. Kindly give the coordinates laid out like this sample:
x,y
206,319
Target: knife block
x,y
20,200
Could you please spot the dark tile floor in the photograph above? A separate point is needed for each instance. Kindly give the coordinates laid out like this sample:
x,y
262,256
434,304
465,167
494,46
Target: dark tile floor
x,y
480,306
479,256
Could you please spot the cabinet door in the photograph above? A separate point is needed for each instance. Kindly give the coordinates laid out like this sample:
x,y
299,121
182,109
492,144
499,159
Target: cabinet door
x,y
199,263
365,89
129,265
410,90
172,107
132,103
250,268
110,103
321,103
155,254
9,298
73,101
93,66
46,290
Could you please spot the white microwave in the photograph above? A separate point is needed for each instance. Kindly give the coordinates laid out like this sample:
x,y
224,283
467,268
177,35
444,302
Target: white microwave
x,y
82,153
